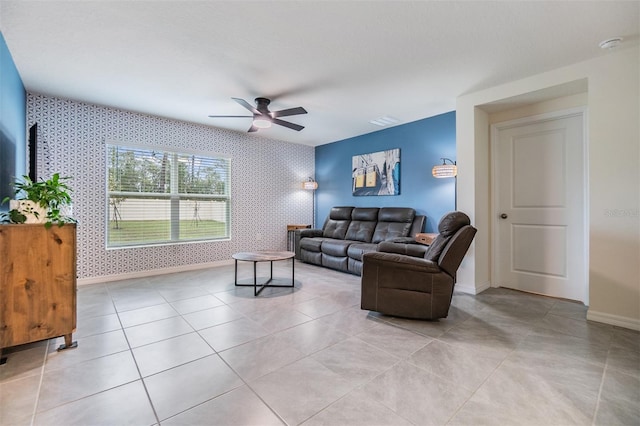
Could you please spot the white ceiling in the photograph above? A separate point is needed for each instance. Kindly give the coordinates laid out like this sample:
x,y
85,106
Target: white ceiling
x,y
346,62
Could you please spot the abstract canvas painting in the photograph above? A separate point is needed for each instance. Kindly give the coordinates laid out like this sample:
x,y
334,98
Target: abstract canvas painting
x,y
376,173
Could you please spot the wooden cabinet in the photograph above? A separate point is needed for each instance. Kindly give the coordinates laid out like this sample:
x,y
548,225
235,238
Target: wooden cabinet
x,y
37,283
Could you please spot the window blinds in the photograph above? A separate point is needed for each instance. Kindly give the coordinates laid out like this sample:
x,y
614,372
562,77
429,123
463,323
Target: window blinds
x,y
158,196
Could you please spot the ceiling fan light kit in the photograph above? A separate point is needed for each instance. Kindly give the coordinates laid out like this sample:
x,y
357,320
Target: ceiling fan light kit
x,y
263,118
261,123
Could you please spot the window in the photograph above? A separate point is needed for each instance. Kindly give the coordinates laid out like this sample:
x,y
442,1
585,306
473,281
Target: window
x,y
158,196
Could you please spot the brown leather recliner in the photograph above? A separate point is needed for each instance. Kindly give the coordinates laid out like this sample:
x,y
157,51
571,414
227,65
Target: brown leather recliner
x,y
416,281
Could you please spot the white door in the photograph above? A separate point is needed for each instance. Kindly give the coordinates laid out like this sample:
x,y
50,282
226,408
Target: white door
x,y
539,204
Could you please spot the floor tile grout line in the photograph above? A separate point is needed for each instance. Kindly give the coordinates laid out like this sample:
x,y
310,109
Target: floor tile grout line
x,y
488,376
362,385
481,384
215,352
246,383
135,361
37,401
601,387
46,356
398,361
87,396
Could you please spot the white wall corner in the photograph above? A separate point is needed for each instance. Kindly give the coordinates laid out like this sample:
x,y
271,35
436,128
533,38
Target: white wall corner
x,y
619,321
473,288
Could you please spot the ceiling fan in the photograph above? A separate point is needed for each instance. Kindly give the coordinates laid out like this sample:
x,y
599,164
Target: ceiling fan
x,y
263,118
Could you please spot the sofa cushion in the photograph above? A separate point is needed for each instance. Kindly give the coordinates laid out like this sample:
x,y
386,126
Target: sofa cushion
x,y
393,222
311,244
396,214
360,231
337,223
336,247
356,250
369,214
363,223
311,257
340,213
390,230
336,229
354,266
335,262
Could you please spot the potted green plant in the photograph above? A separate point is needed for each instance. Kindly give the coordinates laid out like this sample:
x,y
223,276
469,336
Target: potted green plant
x,y
44,201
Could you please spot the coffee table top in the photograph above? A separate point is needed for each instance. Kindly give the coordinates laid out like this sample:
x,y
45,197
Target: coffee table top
x,y
263,256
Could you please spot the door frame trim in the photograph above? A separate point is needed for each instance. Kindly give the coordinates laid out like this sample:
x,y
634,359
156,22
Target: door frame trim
x,y
534,119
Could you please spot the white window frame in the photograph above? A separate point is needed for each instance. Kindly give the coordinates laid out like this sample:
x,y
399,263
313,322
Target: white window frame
x,y
173,195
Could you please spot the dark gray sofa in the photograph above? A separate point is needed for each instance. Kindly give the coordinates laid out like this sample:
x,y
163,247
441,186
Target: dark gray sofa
x,y
349,232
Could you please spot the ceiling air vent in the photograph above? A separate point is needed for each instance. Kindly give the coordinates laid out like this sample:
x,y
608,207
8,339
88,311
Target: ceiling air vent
x,y
384,121
611,43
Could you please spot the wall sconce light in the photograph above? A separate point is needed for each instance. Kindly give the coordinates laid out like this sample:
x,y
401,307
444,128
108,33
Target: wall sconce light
x,y
445,170
311,185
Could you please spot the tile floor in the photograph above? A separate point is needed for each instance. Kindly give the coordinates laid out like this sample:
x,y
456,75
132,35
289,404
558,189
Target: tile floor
x,y
190,348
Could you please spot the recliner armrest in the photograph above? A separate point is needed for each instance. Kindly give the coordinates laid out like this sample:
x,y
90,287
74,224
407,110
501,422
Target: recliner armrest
x,y
403,240
414,250
394,260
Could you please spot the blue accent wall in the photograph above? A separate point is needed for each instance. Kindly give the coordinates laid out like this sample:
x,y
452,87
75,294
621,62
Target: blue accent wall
x,y
422,143
13,127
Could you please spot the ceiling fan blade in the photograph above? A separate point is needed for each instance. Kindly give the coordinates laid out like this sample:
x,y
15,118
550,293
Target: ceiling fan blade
x,y
252,129
247,105
288,112
287,124
231,116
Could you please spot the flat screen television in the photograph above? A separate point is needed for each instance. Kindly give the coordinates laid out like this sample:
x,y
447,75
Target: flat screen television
x,y
7,168
33,152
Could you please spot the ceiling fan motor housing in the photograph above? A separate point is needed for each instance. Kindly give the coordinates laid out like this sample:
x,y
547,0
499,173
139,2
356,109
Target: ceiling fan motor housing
x,y
262,105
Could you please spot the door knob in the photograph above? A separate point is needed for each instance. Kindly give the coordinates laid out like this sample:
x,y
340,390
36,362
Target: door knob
x,y
503,216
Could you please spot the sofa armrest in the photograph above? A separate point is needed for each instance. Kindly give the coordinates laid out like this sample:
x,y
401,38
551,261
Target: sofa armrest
x,y
414,250
394,260
301,233
309,232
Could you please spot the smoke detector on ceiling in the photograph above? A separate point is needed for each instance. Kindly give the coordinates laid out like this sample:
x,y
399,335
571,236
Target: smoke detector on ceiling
x,y
611,43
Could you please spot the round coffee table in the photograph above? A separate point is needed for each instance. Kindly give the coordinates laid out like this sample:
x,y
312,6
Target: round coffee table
x,y
263,256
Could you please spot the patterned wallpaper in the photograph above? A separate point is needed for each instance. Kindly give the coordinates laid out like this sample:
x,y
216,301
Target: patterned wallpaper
x,y
265,189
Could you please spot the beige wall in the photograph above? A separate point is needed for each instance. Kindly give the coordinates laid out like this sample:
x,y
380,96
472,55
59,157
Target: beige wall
x,y
613,102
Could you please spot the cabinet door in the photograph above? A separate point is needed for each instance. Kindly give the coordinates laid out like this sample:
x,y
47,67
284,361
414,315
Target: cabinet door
x,y
37,282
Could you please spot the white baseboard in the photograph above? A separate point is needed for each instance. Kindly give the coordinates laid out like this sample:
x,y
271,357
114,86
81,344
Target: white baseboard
x,y
471,288
152,272
625,322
